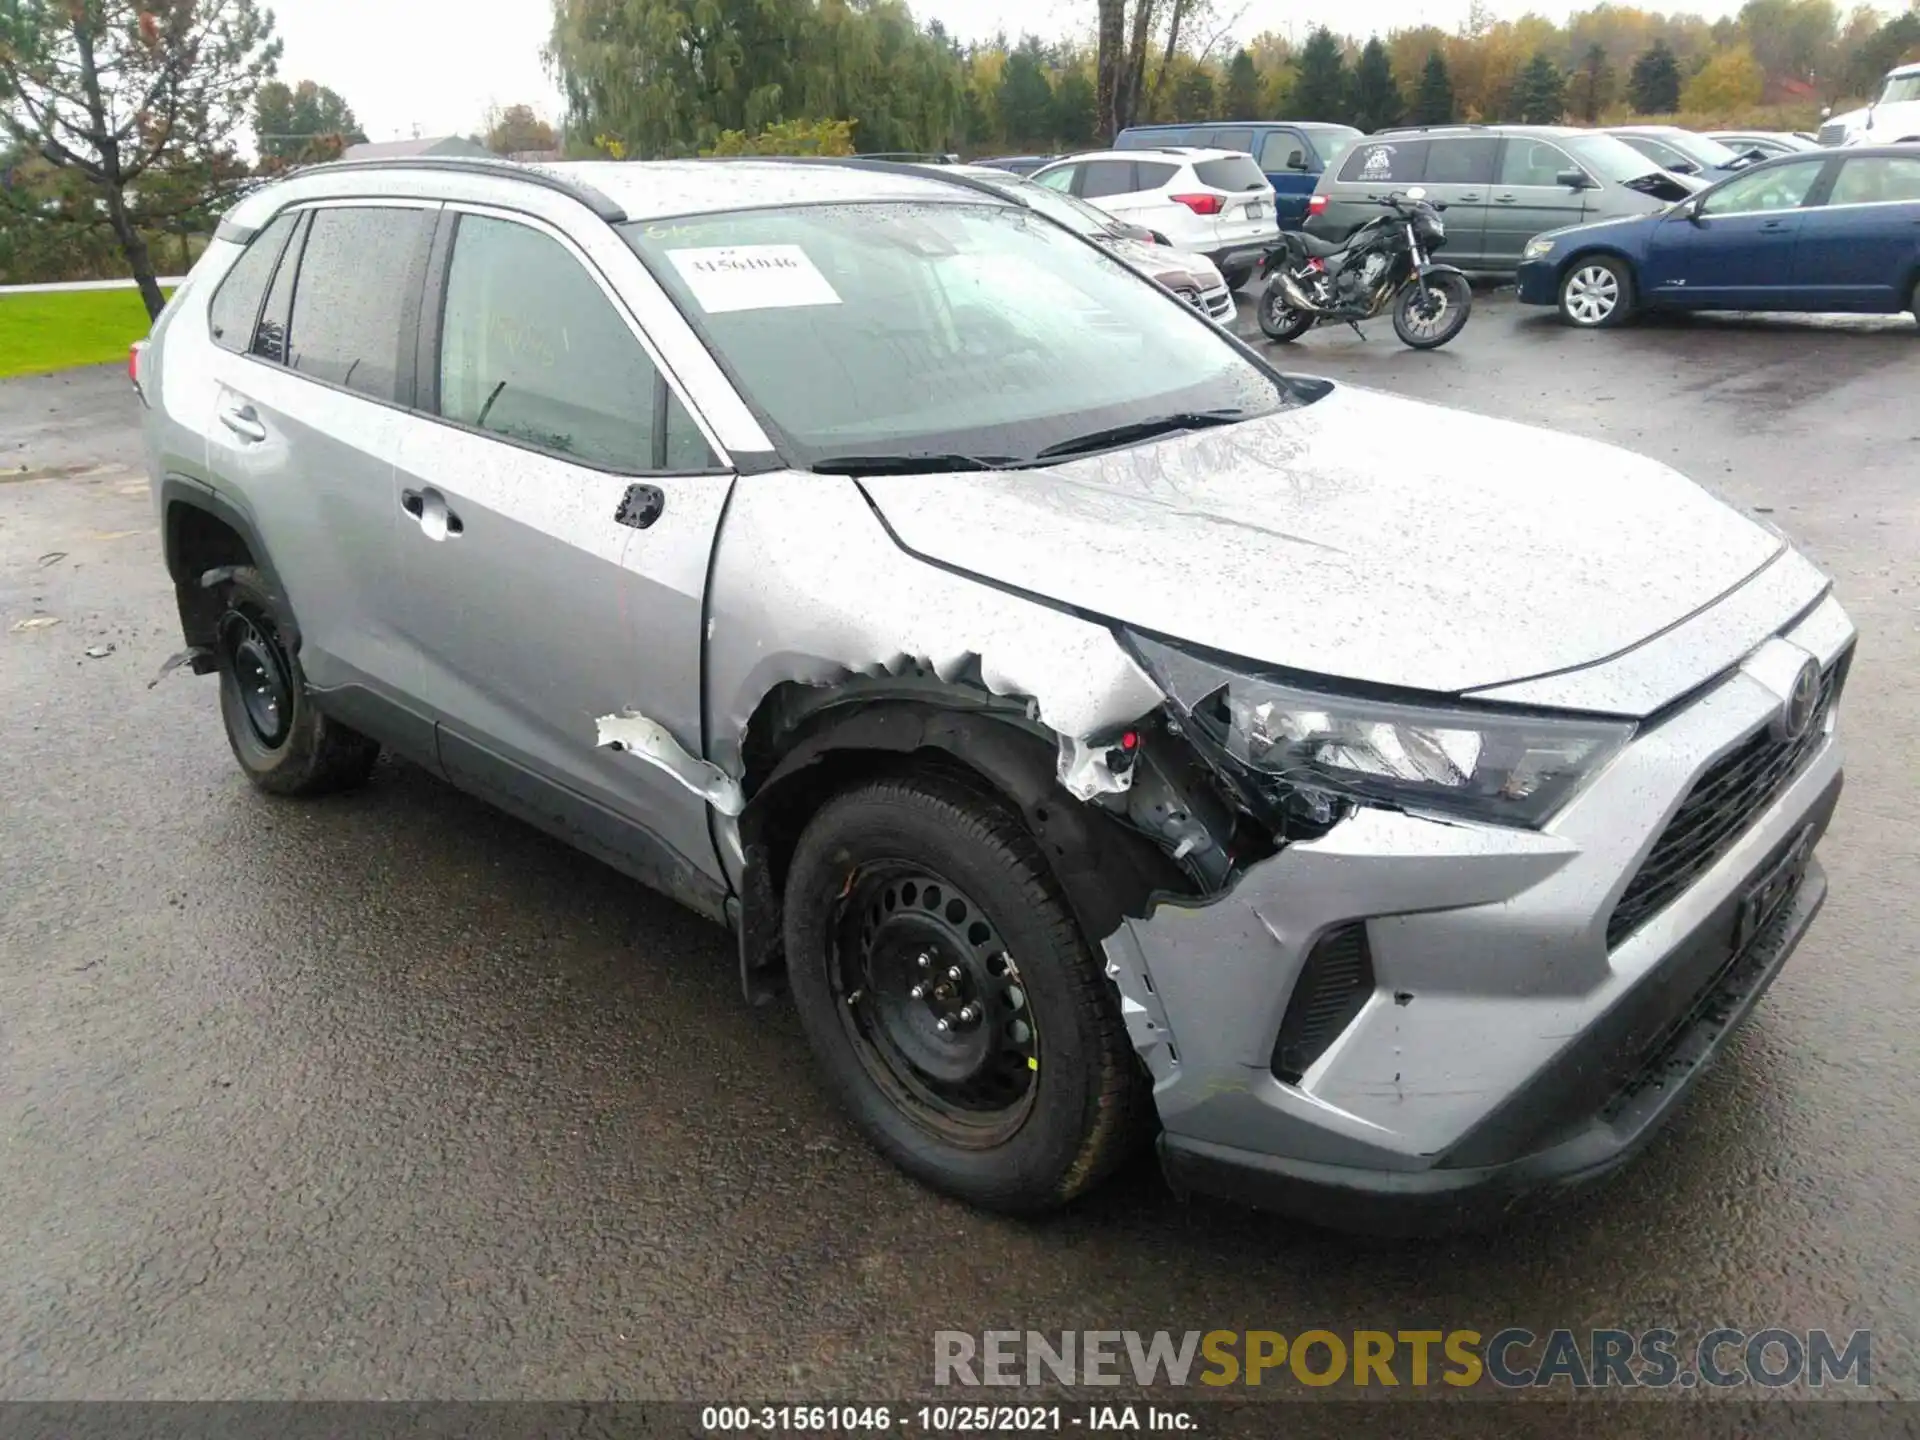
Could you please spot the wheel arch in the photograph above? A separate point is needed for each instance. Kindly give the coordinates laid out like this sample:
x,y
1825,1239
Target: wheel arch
x,y
1612,252
805,744
204,532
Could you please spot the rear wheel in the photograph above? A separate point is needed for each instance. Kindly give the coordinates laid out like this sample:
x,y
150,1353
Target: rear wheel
x,y
1432,311
1278,319
948,993
1596,291
284,744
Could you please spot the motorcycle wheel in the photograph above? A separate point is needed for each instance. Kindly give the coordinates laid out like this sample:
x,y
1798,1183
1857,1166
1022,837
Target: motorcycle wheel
x,y
1279,320
1428,316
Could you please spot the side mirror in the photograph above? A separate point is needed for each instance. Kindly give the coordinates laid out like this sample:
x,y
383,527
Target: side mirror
x,y
1296,160
1690,211
1573,179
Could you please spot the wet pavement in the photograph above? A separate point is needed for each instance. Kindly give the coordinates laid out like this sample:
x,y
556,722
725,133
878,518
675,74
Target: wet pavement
x,y
391,1096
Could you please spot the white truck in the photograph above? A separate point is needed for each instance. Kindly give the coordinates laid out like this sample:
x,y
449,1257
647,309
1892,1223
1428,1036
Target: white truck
x,y
1892,117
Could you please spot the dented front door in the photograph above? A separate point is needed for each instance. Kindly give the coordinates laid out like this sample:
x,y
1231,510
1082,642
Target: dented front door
x,y
554,564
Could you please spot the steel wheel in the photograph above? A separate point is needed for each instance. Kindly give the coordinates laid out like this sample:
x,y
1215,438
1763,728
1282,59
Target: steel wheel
x,y
934,1004
260,670
1591,294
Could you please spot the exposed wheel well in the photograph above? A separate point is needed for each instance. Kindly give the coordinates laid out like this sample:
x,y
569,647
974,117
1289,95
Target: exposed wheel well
x,y
197,541
1106,869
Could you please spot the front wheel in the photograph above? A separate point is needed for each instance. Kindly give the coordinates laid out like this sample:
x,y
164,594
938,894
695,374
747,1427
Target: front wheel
x,y
948,993
1597,291
1279,320
1431,311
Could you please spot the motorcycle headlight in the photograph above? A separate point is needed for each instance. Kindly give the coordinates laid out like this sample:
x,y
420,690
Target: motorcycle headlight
x,y
1536,248
1502,767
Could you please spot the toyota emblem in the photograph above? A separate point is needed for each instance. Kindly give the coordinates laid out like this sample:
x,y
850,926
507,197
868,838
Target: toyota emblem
x,y
1797,710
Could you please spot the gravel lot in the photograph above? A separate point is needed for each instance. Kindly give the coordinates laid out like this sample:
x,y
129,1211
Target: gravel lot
x,y
390,1096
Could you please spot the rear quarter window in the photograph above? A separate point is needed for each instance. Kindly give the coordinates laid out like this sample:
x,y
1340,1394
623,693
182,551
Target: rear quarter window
x,y
1233,172
236,304
1151,174
1391,162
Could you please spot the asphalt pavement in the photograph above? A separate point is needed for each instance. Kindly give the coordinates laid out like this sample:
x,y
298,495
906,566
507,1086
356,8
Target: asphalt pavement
x,y
390,1096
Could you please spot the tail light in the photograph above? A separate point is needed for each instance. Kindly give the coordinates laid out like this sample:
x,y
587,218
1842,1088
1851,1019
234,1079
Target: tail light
x,y
136,352
1316,263
1316,204
1200,204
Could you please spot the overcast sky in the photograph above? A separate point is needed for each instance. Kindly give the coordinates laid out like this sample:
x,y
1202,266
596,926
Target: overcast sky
x,y
438,64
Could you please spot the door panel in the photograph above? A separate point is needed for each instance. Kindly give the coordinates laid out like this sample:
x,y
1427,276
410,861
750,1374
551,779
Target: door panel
x,y
538,601
1741,252
1527,199
1857,251
1459,175
1284,159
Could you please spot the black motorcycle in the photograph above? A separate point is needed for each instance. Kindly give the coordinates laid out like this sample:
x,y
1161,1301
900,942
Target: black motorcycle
x,y
1382,264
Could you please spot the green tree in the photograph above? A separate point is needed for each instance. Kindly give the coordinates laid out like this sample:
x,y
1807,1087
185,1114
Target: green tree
x,y
1075,109
1320,82
1654,83
1192,92
789,137
1726,85
302,124
120,91
1026,96
1433,102
1590,88
1241,100
1376,98
1540,97
517,129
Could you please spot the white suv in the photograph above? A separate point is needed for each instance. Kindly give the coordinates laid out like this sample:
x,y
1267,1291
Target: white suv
x,y
1216,202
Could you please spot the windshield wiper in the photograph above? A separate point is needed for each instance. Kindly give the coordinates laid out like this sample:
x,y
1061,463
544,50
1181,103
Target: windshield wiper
x,y
1140,430
909,463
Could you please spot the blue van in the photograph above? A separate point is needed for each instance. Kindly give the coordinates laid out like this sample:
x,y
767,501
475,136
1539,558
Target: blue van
x,y
1291,152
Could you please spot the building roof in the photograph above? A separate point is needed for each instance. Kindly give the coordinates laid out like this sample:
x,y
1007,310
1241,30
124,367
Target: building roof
x,y
408,149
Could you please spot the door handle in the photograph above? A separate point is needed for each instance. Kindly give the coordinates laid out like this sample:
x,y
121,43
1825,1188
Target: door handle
x,y
1467,199
242,421
1772,226
641,506
1506,199
429,507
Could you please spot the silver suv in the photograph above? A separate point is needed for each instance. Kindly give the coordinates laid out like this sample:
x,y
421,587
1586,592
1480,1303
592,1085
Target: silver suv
x,y
1085,721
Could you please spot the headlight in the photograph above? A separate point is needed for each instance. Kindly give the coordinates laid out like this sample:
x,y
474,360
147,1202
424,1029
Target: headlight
x,y
1504,767
1537,247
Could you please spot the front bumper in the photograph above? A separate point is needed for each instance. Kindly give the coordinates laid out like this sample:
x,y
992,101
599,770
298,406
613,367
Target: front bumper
x,y
1504,1045
1539,281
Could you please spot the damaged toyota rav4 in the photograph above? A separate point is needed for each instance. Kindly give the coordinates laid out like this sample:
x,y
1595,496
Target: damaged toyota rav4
x,y
1094,730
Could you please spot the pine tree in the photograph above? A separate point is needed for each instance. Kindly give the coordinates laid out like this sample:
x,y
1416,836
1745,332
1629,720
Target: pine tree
x,y
1540,96
1026,96
1242,100
1433,103
1376,98
1591,86
1074,109
1654,84
1320,84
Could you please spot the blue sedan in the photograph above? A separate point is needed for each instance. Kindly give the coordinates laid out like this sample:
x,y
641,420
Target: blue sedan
x,y
1837,230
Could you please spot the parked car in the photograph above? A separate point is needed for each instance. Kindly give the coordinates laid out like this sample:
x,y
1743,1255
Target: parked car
x,y
1501,184
1763,144
1826,231
1682,151
1039,684
1215,203
1018,164
1194,278
1893,116
1291,153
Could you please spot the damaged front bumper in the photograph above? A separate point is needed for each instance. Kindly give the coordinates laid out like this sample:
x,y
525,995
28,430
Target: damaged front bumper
x,y
1410,1022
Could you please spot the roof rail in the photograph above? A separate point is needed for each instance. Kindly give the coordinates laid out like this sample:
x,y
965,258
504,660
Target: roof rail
x,y
881,165
1423,129
597,201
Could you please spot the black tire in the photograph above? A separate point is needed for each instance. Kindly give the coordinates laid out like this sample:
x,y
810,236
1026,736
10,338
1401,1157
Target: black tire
x,y
284,745
1586,301
900,870
1426,316
1237,277
1279,321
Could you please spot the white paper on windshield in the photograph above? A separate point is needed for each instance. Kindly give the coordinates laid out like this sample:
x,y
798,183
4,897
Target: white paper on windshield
x,y
752,277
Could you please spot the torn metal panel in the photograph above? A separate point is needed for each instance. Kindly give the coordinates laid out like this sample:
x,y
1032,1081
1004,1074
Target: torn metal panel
x,y
648,740
1087,770
1140,1007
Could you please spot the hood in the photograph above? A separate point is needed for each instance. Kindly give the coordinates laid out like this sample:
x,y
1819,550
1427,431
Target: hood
x,y
1166,264
1362,537
1620,228
1878,124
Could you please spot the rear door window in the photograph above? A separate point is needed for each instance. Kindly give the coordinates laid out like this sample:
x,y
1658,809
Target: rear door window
x,y
1387,162
1233,172
1467,161
1881,180
1533,162
236,304
1152,174
359,288
1107,177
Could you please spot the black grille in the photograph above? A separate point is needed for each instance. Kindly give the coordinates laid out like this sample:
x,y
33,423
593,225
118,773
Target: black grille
x,y
1333,987
1717,812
